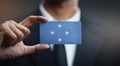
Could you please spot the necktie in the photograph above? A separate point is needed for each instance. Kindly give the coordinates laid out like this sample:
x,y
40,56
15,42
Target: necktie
x,y
60,55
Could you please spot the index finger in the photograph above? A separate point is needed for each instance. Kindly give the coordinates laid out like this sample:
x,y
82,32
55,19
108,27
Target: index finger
x,y
33,19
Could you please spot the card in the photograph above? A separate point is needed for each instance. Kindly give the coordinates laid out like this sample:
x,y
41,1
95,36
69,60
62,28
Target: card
x,y
61,32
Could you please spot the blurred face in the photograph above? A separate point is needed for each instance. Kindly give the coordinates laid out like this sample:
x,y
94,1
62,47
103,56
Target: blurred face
x,y
58,1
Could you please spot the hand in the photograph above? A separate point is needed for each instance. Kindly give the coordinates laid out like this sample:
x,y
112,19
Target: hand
x,y
12,35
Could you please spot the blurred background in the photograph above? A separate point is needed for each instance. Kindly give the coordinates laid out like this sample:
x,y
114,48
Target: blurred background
x,y
16,9
102,15
93,10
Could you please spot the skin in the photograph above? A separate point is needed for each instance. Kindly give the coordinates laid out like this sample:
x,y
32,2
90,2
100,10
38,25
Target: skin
x,y
12,35
61,9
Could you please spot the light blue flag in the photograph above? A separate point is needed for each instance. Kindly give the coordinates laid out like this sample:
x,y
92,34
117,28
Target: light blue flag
x,y
61,33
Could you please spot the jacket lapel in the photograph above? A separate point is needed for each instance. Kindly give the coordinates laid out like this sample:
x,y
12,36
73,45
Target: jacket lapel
x,y
92,41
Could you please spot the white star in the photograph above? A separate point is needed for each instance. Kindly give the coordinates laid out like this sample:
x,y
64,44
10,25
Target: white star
x,y
59,39
52,32
66,33
59,25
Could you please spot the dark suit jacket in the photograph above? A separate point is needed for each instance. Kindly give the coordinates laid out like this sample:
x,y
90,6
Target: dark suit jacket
x,y
96,50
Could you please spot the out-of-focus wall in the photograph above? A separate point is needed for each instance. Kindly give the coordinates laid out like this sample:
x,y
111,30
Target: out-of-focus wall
x,y
16,9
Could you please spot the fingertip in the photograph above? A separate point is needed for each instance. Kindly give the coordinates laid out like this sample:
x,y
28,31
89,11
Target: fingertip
x,y
43,19
40,47
44,45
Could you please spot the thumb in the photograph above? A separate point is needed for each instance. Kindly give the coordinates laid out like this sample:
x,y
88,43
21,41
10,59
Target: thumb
x,y
35,48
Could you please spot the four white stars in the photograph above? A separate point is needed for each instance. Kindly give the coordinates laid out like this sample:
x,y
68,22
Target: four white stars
x,y
59,26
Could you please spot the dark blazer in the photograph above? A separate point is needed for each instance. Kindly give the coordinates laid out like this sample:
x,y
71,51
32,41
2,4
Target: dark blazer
x,y
96,48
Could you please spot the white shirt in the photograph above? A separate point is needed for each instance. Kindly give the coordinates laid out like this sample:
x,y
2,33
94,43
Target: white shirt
x,y
69,48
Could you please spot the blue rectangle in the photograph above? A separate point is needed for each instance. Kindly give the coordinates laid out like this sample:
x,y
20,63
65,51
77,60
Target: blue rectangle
x,y
61,33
